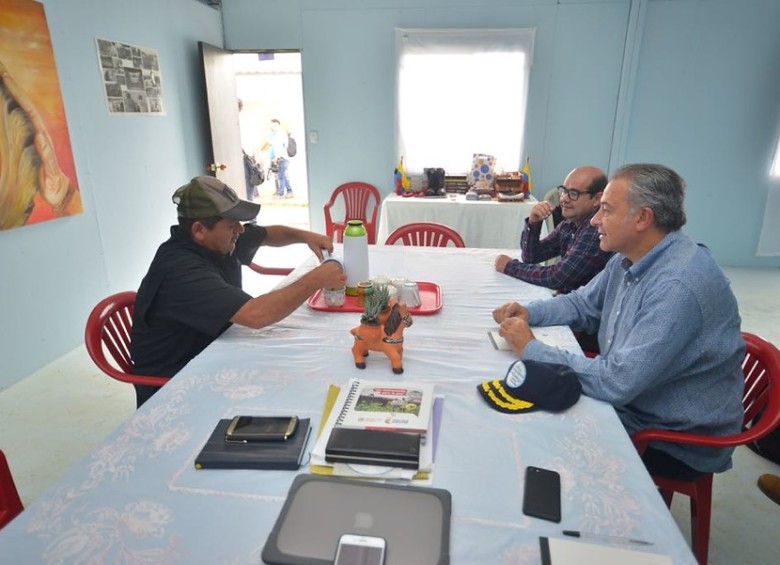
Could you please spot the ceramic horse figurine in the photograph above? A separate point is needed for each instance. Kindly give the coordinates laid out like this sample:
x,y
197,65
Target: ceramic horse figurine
x,y
386,336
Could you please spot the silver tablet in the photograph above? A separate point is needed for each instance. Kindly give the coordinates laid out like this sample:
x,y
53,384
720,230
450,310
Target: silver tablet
x,y
414,521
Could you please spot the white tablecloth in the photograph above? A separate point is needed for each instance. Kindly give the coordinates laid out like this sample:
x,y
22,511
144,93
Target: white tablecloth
x,y
137,497
481,223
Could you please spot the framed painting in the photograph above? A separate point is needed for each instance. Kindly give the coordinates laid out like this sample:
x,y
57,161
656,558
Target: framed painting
x,y
37,172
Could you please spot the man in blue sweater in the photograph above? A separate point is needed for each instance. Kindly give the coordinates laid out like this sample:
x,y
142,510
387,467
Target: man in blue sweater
x,y
668,324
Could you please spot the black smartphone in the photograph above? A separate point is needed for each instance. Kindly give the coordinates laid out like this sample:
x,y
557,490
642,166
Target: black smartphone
x,y
261,428
542,494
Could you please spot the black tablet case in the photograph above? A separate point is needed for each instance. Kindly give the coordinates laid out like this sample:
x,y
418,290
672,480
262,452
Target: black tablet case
x,y
414,521
373,447
283,455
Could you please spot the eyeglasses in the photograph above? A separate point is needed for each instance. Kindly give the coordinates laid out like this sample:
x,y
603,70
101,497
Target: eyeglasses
x,y
571,193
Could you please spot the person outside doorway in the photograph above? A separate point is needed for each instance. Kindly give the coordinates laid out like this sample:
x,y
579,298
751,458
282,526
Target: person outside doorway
x,y
276,146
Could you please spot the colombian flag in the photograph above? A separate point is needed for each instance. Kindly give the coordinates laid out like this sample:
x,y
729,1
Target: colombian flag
x,y
402,182
525,177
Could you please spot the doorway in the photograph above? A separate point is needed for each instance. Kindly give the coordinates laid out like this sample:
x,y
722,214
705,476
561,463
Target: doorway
x,y
270,87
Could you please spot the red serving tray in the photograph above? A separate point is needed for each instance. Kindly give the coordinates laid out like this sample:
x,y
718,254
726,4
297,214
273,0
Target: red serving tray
x,y
430,296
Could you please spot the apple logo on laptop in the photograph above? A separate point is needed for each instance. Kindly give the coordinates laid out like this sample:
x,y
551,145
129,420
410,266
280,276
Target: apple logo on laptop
x,y
363,521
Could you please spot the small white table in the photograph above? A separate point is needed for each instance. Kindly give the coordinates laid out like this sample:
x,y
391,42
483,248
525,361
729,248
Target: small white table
x,y
481,223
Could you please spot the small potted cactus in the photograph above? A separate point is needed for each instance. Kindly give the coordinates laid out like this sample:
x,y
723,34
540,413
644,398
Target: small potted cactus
x,y
376,304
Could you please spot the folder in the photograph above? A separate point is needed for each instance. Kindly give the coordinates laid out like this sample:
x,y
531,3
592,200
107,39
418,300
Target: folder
x,y
373,447
282,455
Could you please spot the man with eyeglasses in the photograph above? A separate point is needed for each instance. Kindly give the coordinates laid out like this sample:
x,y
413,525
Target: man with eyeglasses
x,y
574,240
669,326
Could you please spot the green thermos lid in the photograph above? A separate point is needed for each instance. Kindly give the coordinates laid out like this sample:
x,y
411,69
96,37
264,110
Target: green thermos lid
x,y
354,228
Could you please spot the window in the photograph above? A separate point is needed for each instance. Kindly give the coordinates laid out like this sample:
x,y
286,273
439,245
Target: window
x,y
462,92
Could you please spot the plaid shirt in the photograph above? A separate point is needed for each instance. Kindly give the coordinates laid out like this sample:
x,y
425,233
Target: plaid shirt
x,y
577,245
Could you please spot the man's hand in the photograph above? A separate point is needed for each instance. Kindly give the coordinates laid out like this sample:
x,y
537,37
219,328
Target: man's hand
x,y
510,310
501,262
540,212
279,236
317,242
330,275
517,333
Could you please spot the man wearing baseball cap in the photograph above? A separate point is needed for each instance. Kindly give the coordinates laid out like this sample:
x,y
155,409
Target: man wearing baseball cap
x,y
192,292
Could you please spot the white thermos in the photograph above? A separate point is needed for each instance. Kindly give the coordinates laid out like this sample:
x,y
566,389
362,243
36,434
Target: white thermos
x,y
355,255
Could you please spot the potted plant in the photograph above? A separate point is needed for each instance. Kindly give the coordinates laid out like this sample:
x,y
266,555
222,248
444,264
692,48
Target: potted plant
x,y
375,304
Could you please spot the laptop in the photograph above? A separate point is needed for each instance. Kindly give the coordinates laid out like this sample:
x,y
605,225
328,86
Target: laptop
x,y
414,521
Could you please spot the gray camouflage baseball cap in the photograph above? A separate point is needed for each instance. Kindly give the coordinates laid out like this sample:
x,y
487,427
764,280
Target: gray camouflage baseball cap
x,y
206,196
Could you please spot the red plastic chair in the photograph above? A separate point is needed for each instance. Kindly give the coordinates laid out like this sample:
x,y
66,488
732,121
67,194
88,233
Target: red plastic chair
x,y
10,503
283,271
360,202
108,331
762,397
425,234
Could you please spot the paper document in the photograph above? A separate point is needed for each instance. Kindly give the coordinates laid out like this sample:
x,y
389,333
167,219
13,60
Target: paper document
x,y
559,551
554,336
499,342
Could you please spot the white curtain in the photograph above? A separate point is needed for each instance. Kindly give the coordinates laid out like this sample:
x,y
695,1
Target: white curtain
x,y
460,92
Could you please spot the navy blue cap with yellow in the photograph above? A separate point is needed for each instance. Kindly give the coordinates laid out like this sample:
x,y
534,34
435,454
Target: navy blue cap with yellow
x,y
532,385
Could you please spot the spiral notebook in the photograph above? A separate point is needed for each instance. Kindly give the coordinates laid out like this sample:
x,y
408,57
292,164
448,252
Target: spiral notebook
x,y
334,401
387,405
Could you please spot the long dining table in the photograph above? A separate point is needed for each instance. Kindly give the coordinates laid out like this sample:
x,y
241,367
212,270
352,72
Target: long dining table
x,y
137,498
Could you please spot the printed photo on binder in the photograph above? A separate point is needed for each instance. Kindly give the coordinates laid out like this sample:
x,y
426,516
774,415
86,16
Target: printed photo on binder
x,y
387,406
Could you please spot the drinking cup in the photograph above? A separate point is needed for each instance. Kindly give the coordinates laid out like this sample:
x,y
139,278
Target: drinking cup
x,y
334,297
411,294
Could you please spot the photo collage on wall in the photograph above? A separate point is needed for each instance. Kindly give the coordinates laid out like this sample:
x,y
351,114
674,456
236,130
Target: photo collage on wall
x,y
131,78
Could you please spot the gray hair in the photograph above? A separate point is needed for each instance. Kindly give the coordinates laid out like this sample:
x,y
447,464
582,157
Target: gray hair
x,y
659,188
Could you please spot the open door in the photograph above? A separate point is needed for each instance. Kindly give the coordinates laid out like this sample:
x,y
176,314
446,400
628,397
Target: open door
x,y
227,162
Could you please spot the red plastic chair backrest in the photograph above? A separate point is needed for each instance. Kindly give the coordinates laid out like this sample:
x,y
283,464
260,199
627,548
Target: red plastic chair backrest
x,y
360,201
10,503
107,337
761,368
426,234
282,271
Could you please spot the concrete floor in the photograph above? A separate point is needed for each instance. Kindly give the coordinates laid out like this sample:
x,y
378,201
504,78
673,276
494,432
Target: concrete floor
x,y
80,406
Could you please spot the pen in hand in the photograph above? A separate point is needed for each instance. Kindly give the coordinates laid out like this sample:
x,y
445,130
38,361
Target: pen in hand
x,y
593,535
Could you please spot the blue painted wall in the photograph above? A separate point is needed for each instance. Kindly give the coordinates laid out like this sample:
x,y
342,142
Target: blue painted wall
x,y
691,83
127,166
694,84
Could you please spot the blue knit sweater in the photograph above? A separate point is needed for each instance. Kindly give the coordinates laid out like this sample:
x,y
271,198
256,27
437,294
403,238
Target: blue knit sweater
x,y
671,350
